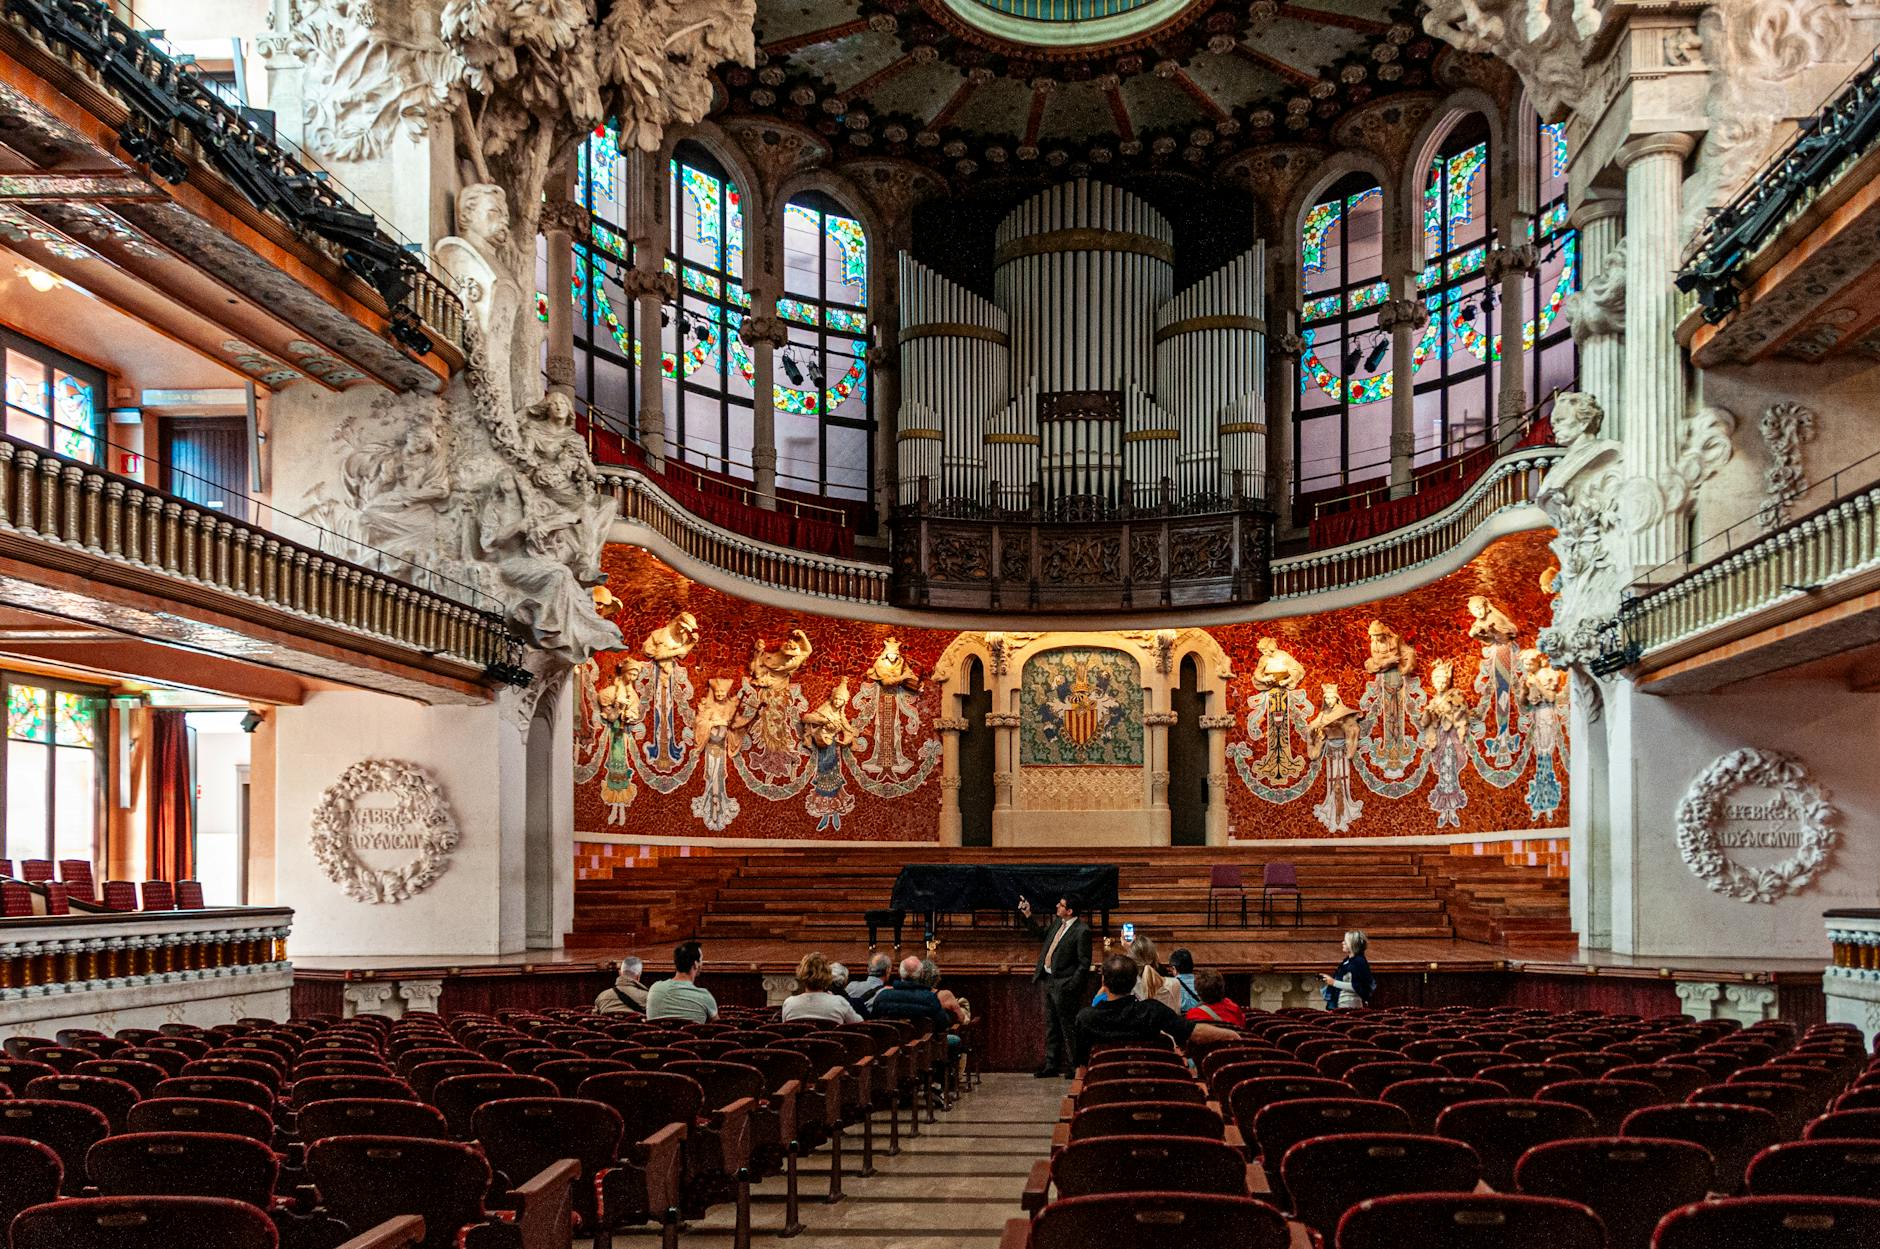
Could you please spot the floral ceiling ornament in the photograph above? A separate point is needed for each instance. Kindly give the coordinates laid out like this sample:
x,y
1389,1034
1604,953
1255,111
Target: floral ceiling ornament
x,y
1703,811
418,819
1785,427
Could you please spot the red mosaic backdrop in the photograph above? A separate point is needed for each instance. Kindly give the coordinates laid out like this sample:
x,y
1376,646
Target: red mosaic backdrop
x,y
905,807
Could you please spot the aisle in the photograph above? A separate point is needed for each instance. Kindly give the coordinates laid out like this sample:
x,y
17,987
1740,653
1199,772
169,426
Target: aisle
x,y
953,1186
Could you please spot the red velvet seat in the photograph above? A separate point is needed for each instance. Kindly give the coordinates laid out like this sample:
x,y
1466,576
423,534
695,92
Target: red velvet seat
x,y
159,895
1608,1101
370,1116
1280,1125
1224,1077
1147,1119
112,1098
1772,1223
201,1114
364,1180
1371,1079
1732,1134
459,1096
617,1188
1328,1175
78,878
1423,1100
1154,1220
1527,1079
1792,1105
67,1128
567,1074
1823,1167
1861,1124
1110,1072
1141,1091
189,895
184,1164
1109,1164
238,1068
17,1073
144,1223
221,1088
60,1057
1501,1131
340,1067
30,1174
171,1062
1678,1080
1469,1221
189,1046
1246,1099
1629,1182
1468,1064
324,1088
36,871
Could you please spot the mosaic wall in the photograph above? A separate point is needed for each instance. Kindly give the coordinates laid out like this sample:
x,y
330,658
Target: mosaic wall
x,y
1425,713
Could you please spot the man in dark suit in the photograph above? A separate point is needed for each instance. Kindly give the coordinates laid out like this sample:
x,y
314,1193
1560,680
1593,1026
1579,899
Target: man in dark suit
x,y
1062,962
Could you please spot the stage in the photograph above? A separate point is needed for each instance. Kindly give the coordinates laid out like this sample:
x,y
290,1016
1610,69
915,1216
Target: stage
x,y
994,974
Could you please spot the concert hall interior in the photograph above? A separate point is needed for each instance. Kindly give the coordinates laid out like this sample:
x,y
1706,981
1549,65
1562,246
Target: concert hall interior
x,y
1204,622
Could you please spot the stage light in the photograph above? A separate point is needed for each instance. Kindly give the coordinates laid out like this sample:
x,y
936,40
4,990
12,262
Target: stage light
x,y
1377,354
791,371
1468,311
665,316
816,376
701,329
251,721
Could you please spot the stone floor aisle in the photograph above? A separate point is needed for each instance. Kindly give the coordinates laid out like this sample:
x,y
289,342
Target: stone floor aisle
x,y
953,1187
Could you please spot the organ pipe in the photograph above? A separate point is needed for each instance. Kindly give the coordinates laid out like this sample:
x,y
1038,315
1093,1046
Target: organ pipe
x,y
1083,309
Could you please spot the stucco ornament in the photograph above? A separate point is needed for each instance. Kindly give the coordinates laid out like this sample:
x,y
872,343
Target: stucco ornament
x,y
1580,494
1701,813
1785,427
1598,309
1543,41
419,813
377,69
1703,449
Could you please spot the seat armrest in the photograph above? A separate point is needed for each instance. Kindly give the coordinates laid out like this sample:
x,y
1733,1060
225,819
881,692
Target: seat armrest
x,y
405,1229
1077,1083
731,1125
1017,1234
1037,1188
832,1096
1067,1108
1060,1135
1231,1134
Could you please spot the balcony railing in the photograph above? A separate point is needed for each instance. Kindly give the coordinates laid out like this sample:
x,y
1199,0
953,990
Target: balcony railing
x,y
1752,569
173,111
55,955
87,513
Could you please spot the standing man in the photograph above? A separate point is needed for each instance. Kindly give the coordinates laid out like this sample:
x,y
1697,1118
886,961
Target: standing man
x,y
1061,966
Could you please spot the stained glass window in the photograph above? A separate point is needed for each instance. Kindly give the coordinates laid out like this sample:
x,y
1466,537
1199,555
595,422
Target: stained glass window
x,y
704,361
1552,362
825,431
52,400
1456,357
1342,430
53,771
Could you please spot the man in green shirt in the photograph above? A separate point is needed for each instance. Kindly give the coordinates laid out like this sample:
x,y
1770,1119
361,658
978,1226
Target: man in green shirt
x,y
680,996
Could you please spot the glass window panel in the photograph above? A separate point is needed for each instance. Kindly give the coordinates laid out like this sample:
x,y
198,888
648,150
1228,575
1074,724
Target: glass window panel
x,y
27,763
846,393
75,809
27,427
1364,235
75,413
1369,452
26,383
1429,426
27,708
75,719
1321,455
738,421
848,461
847,251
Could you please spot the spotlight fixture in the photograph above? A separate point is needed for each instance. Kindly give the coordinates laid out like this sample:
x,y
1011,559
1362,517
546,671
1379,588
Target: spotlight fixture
x,y
1488,299
408,330
816,376
792,371
509,674
1468,311
665,316
701,329
1351,359
1377,354
251,721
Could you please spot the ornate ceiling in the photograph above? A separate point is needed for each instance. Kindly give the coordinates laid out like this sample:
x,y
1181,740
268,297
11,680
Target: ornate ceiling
x,y
981,89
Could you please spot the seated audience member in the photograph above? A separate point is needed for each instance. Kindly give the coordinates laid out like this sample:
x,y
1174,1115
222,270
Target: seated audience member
x,y
908,998
930,976
1213,1004
1151,984
627,996
1182,963
681,997
813,998
863,991
839,978
1125,1017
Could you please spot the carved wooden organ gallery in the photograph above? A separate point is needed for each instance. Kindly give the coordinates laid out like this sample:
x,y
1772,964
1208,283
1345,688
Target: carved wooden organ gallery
x,y
1088,437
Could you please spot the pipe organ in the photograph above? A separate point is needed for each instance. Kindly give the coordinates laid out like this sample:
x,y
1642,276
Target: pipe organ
x,y
1086,374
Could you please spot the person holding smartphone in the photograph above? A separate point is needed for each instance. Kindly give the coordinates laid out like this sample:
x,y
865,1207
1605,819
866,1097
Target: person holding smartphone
x,y
1062,962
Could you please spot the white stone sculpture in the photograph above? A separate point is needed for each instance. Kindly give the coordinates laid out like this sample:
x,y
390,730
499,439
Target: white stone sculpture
x,y
1598,309
1702,812
492,296
378,69
1543,41
1704,449
418,819
1784,427
1580,494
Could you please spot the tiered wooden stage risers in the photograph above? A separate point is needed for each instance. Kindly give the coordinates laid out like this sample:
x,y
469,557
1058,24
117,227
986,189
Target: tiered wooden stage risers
x,y
814,898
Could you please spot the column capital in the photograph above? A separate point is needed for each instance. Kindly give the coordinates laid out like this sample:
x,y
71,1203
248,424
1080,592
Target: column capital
x,y
1289,346
767,331
1673,143
1412,314
1597,208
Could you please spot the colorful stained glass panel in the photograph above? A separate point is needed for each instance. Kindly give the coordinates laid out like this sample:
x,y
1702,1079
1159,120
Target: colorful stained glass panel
x,y
76,719
75,412
26,713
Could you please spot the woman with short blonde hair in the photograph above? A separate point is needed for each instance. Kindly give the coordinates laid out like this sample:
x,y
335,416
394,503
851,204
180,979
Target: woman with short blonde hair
x,y
1352,984
813,999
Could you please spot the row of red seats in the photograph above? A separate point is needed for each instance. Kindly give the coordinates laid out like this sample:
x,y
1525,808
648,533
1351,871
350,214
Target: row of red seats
x,y
1375,1146
280,1119
76,882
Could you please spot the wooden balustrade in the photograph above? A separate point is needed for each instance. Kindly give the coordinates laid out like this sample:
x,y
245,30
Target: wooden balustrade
x,y
49,955
52,499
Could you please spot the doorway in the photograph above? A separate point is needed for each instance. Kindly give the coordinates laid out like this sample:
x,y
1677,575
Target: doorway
x,y
1188,761
976,760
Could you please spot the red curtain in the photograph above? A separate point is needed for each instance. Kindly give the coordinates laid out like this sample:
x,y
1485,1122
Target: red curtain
x,y
171,851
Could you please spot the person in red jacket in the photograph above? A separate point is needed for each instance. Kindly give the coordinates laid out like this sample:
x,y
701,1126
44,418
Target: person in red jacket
x,y
1216,1006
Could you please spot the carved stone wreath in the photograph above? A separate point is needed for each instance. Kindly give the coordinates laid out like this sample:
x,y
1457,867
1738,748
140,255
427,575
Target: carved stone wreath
x,y
419,804
1699,813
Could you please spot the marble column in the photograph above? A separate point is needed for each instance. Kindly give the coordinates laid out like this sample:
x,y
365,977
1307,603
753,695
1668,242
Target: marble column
x,y
1653,382
1599,311
1004,726
563,221
652,289
765,334
1157,724
950,728
1219,825
1403,318
1510,266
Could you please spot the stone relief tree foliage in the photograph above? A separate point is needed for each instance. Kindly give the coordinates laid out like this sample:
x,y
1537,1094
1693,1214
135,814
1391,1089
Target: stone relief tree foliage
x,y
491,483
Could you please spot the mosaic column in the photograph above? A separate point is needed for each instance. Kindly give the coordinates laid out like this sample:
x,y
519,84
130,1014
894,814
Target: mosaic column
x,y
1653,387
1601,224
950,728
1217,728
764,333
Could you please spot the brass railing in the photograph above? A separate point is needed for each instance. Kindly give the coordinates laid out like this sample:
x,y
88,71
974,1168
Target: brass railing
x,y
52,499
1513,480
64,954
1793,563
823,576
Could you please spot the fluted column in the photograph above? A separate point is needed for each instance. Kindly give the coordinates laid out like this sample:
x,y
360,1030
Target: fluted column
x,y
950,728
764,333
1598,317
1158,724
1653,382
563,221
1404,318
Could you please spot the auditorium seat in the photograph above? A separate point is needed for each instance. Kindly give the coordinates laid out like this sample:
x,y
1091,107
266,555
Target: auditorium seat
x,y
1281,1125
1109,1164
1371,1079
1147,1119
323,1088
76,875
36,871
1469,1221
1424,1099
1792,1105
1821,1167
184,1164
144,1223
30,1174
457,1097
1142,1091
1608,1101
1733,1134
1247,1098
1629,1182
68,1128
243,1068
201,1114
189,895
369,1116
1327,1175
112,1098
1772,1223
1526,1079
1151,1220
221,1088
717,1137
1501,1131
365,1180
120,895
1223,1078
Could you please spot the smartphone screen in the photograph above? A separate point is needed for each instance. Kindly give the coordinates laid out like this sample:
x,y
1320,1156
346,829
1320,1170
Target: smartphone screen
x,y
1129,934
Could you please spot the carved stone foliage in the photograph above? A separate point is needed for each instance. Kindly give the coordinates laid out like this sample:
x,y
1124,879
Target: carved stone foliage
x,y
374,69
1581,496
1798,799
417,818
1543,41
1785,427
1704,448
1598,310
